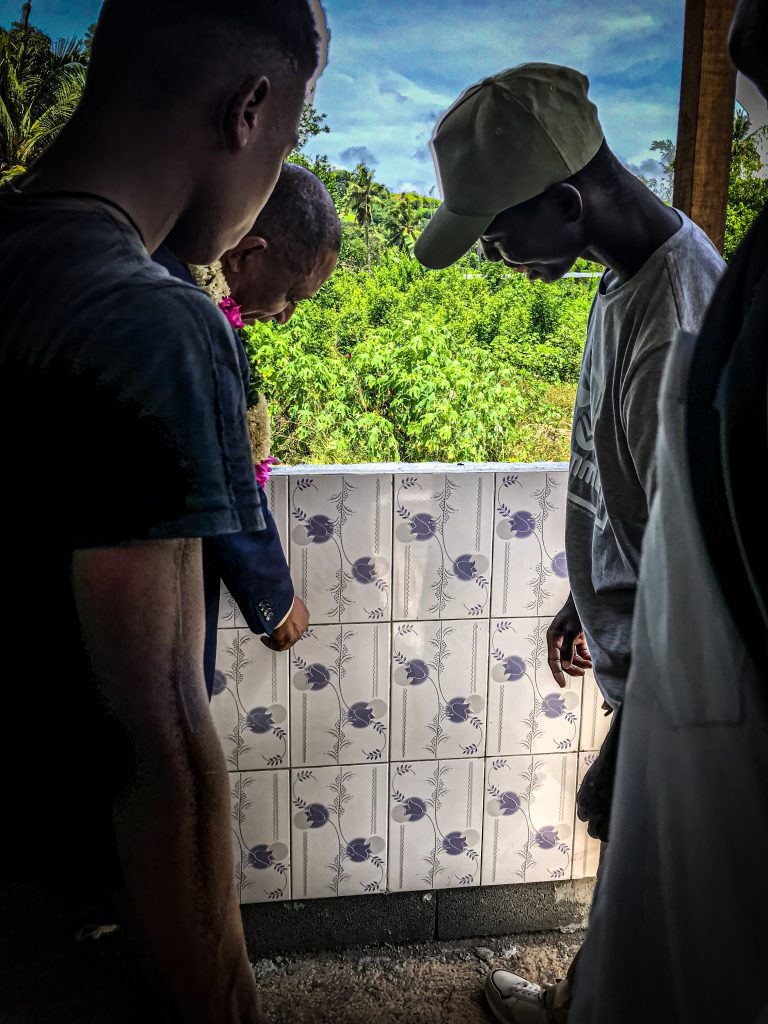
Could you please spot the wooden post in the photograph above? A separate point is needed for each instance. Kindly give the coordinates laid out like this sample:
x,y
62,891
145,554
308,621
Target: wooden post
x,y
704,131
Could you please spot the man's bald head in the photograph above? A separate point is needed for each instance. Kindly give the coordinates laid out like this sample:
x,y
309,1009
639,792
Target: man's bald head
x,y
299,220
291,250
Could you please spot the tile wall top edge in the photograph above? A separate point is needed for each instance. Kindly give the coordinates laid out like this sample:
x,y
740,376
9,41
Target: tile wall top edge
x,y
372,468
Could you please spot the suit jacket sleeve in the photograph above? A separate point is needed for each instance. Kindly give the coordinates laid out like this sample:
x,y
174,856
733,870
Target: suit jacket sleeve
x,y
254,570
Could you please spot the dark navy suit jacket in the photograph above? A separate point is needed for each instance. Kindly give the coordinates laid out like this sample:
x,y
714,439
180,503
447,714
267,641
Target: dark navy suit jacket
x,y
252,566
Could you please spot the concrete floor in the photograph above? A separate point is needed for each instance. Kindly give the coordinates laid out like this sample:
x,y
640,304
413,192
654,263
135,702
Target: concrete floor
x,y
420,984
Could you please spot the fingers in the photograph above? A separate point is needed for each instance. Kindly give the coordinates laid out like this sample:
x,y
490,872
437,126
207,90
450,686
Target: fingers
x,y
567,655
554,646
582,651
282,639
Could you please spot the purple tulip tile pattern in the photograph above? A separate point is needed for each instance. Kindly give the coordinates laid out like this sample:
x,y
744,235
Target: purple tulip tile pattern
x,y
586,851
528,713
530,572
439,684
435,824
340,695
261,835
339,829
529,818
443,540
594,721
341,546
250,702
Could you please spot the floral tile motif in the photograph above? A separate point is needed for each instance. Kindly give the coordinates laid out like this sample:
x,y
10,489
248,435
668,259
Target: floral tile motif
x,y
250,702
435,826
339,829
442,546
594,721
586,851
340,695
529,818
527,710
261,835
277,499
341,546
530,573
230,615
439,681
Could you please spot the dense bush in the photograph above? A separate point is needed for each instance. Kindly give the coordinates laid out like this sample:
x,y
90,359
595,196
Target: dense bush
x,y
472,363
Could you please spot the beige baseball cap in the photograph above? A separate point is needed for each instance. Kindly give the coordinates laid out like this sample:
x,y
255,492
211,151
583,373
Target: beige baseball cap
x,y
504,141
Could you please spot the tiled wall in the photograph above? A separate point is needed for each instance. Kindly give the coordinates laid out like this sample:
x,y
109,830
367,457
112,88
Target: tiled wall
x,y
414,739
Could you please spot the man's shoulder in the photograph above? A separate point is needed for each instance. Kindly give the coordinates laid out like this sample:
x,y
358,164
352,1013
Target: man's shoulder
x,y
694,269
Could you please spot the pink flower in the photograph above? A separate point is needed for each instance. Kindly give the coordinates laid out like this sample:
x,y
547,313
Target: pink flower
x,y
231,311
263,471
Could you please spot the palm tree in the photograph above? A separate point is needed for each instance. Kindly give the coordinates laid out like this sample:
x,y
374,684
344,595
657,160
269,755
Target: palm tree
x,y
359,201
40,87
402,222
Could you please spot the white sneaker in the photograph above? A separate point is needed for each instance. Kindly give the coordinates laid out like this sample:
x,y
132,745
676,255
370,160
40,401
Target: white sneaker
x,y
515,1000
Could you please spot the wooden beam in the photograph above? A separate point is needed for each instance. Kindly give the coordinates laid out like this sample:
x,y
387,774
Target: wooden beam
x,y
707,98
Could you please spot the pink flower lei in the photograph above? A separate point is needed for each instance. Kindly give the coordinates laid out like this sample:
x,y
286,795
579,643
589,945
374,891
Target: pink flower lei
x,y
231,311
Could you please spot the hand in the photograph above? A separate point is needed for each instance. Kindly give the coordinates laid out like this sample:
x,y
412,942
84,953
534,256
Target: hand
x,y
567,649
291,631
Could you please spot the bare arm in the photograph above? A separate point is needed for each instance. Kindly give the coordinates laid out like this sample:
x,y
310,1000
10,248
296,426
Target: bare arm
x,y
141,613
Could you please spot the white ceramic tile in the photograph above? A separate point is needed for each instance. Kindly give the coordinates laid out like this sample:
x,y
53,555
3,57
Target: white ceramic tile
x,y
339,830
528,713
340,695
442,546
435,824
594,721
341,546
439,682
277,498
229,614
250,702
261,835
529,818
586,851
530,576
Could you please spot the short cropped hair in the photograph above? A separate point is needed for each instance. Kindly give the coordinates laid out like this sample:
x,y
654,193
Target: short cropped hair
x,y
299,221
153,49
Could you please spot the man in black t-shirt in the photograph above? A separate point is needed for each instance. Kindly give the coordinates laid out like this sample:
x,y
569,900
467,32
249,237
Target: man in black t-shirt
x,y
122,417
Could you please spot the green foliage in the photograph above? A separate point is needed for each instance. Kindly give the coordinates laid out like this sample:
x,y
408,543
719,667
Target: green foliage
x,y
363,195
40,86
312,124
747,188
471,363
402,221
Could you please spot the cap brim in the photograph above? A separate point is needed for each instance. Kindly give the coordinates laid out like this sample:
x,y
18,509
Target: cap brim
x,y
448,236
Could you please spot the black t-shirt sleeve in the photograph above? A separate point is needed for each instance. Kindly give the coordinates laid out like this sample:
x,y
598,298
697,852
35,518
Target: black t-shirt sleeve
x,y
148,432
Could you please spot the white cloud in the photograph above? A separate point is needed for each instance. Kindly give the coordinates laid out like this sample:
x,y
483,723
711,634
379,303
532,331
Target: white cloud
x,y
395,67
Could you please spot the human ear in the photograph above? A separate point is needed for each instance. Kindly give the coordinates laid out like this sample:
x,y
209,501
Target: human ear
x,y
568,201
243,110
250,246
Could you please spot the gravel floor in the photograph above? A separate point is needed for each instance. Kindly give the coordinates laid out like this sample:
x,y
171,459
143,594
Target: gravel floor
x,y
423,984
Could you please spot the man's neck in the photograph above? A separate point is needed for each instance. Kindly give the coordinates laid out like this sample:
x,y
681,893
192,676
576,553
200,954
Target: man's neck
x,y
135,170
629,232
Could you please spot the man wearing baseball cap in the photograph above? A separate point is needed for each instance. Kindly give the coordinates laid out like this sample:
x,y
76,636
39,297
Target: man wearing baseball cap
x,y
525,169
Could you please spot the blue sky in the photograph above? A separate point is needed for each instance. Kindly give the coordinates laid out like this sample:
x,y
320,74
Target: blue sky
x,y
395,65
